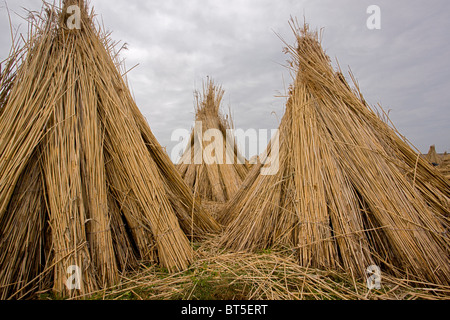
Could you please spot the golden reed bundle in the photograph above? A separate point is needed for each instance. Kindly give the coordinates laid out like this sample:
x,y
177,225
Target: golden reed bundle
x,y
83,181
432,156
8,68
350,192
214,169
444,168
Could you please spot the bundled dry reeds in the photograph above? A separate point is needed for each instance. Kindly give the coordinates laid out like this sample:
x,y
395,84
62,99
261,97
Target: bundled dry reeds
x,y
350,192
440,161
444,167
432,156
212,165
83,181
8,69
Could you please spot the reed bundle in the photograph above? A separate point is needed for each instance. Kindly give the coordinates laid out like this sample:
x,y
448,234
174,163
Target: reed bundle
x,y
432,156
441,162
350,192
8,69
83,181
221,169
444,167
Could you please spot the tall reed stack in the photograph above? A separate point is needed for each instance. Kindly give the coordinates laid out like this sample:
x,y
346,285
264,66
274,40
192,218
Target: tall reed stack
x,y
350,192
212,165
432,156
8,68
83,181
444,168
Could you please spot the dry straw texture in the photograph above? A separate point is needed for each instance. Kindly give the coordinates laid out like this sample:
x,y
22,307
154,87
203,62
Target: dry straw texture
x,y
212,167
444,167
350,192
265,275
432,156
83,181
8,69
440,161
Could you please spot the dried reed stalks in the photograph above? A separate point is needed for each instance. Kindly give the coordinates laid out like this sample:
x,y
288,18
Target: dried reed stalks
x,y
269,275
8,69
80,184
214,178
432,156
350,192
444,168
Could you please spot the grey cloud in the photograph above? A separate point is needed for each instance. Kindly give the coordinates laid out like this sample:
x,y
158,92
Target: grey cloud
x,y
404,66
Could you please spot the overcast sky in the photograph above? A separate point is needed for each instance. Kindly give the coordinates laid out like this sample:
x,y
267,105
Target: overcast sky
x,y
405,66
